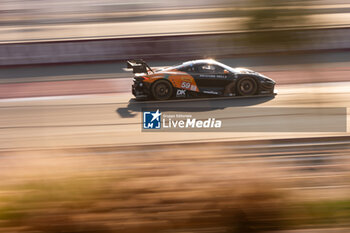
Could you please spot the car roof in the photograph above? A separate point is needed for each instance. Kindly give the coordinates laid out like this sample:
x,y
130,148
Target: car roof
x,y
200,61
209,61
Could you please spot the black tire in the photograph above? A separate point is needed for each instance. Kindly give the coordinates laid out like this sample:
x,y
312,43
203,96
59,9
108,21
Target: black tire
x,y
162,90
247,86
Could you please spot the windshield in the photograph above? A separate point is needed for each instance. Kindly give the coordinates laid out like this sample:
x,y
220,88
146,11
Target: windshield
x,y
226,67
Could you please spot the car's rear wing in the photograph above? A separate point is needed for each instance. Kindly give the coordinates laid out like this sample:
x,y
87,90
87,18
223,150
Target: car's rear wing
x,y
138,66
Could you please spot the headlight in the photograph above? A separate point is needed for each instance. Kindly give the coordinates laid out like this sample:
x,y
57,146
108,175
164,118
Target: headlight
x,y
267,80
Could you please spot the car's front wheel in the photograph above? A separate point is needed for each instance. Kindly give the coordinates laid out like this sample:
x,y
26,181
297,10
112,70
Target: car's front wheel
x,y
247,86
162,90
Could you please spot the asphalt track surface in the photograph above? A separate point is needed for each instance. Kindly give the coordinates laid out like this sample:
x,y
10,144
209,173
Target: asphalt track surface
x,y
115,119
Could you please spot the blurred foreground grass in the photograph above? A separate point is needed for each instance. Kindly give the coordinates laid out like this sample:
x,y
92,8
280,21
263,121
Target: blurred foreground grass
x,y
83,194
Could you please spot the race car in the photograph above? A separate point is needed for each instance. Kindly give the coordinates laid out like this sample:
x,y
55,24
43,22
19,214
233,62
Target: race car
x,y
196,78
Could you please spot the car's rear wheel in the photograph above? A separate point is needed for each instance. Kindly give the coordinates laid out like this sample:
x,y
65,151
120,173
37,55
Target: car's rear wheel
x,y
162,90
247,86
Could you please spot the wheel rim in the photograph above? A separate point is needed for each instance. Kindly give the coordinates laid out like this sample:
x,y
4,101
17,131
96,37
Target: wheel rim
x,y
246,86
162,90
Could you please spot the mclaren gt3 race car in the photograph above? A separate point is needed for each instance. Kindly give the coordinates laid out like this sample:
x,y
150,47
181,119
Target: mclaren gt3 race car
x,y
196,78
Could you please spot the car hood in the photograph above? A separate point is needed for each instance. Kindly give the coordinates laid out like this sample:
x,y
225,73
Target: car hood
x,y
248,71
244,71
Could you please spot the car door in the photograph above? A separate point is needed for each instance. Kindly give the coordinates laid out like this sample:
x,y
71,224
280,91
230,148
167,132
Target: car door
x,y
211,76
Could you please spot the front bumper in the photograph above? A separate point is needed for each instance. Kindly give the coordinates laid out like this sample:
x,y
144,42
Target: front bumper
x,y
267,87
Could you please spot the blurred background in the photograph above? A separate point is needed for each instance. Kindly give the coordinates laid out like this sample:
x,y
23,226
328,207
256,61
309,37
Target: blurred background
x,y
72,154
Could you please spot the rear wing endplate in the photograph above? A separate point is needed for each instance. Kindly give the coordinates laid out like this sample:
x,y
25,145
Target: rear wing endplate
x,y
138,66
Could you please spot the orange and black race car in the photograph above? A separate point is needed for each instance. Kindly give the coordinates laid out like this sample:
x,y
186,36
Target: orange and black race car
x,y
196,78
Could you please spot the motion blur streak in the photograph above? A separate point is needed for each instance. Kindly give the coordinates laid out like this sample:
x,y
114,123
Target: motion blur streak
x,y
72,155
175,188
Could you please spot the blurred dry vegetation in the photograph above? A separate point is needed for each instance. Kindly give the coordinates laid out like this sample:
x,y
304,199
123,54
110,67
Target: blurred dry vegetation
x,y
274,22
167,192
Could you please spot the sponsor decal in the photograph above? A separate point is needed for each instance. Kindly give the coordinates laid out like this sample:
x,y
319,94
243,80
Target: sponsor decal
x,y
152,120
193,88
212,76
211,92
186,85
181,93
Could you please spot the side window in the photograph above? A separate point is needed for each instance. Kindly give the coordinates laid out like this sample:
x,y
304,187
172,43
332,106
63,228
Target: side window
x,y
187,68
210,69
206,68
